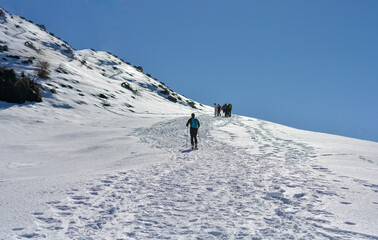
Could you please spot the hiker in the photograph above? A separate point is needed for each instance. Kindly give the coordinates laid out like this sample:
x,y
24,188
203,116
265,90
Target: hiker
x,y
229,109
194,125
215,109
225,109
219,110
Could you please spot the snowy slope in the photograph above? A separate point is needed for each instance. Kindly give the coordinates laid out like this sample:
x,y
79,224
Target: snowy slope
x,y
84,77
78,166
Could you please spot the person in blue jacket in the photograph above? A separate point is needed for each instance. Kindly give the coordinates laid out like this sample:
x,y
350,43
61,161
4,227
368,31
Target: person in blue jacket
x,y
194,125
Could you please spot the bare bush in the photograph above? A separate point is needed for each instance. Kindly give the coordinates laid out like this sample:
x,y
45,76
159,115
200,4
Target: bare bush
x,y
43,69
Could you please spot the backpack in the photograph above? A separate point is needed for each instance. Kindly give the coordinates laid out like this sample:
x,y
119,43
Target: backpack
x,y
194,123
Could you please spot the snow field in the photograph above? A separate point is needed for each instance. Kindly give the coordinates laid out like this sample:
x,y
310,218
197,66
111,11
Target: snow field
x,y
221,191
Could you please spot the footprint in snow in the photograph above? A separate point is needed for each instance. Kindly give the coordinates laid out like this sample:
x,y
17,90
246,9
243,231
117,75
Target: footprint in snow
x,y
80,198
107,181
215,234
350,223
31,235
17,229
299,195
63,207
38,213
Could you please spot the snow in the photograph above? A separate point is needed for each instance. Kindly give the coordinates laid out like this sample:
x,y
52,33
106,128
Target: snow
x,y
73,168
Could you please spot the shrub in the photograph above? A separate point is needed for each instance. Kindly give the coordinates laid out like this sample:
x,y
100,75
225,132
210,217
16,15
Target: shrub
x,y
43,69
139,68
103,96
29,61
3,48
165,92
84,60
192,104
18,90
14,56
172,99
128,87
41,26
2,14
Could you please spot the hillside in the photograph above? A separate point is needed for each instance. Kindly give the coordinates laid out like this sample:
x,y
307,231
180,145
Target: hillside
x,y
84,79
106,155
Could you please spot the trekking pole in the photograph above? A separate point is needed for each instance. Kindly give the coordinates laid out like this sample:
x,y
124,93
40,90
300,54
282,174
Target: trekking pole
x,y
187,136
199,139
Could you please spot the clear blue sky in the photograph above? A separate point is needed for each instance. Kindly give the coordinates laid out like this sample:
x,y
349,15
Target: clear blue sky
x,y
308,64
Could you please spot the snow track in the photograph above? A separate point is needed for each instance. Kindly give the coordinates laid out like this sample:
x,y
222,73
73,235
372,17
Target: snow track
x,y
243,183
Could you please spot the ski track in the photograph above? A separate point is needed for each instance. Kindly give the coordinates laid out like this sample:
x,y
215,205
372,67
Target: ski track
x,y
217,192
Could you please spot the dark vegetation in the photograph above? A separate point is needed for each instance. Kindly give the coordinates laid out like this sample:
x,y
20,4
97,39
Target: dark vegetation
x,y
15,89
191,103
139,68
128,87
165,92
173,99
3,48
43,70
101,95
13,56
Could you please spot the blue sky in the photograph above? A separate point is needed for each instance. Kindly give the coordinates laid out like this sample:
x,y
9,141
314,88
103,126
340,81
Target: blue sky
x,y
310,64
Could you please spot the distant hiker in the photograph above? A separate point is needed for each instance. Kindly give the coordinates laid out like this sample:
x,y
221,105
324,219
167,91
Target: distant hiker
x,y
225,109
194,125
229,109
215,109
219,110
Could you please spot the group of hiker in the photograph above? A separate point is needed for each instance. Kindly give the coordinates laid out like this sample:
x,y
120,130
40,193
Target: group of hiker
x,y
226,108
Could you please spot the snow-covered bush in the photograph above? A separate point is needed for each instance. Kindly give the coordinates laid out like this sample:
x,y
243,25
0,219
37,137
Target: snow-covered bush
x,y
43,70
61,69
128,87
18,90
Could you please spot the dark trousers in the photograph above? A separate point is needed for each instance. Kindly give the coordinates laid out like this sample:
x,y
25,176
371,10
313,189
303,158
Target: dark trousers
x,y
193,135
